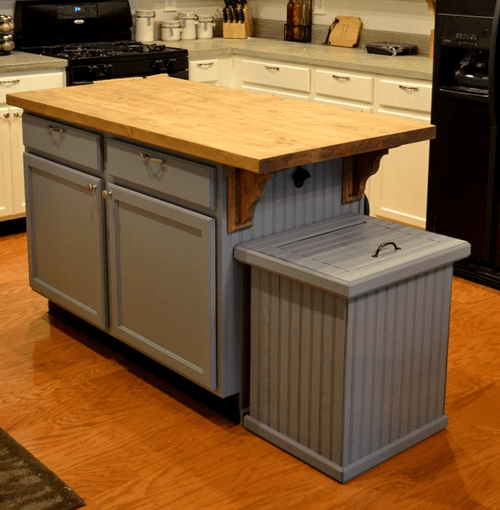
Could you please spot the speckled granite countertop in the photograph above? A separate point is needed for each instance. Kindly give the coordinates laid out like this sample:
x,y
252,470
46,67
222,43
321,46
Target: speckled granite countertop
x,y
354,59
18,62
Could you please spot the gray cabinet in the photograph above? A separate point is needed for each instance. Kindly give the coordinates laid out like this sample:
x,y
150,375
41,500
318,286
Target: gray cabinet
x,y
66,237
134,239
162,281
134,265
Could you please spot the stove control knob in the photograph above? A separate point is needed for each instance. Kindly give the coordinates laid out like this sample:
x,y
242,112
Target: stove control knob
x,y
96,72
108,70
157,65
169,64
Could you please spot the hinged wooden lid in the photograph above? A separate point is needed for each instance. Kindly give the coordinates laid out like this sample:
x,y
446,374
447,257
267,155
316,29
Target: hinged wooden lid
x,y
339,255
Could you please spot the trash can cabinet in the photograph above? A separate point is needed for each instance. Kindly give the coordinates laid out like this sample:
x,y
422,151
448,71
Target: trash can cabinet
x,y
349,350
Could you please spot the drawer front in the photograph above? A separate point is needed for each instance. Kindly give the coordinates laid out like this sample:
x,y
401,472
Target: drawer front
x,y
404,94
338,83
13,83
178,177
204,71
276,75
63,143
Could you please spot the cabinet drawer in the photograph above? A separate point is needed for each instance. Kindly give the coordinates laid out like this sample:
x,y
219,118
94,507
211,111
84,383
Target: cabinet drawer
x,y
24,82
180,178
204,71
75,147
407,95
276,75
338,83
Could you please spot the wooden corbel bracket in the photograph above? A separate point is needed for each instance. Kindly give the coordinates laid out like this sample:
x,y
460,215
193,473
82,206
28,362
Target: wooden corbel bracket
x,y
244,190
356,171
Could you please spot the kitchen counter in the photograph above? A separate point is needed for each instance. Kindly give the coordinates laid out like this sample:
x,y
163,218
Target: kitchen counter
x,y
19,62
253,132
353,59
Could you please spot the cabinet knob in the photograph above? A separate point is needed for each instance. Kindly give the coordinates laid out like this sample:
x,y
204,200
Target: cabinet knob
x,y
106,194
90,188
6,115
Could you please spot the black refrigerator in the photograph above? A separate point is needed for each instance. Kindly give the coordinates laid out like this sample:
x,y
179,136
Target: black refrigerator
x,y
464,175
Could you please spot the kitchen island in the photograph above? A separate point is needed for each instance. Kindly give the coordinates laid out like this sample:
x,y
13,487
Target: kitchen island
x,y
139,190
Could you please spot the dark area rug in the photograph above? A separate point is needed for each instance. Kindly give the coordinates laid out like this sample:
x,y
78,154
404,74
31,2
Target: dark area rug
x,y
26,484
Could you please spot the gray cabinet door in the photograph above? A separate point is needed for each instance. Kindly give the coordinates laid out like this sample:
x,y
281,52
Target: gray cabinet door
x,y
66,242
162,282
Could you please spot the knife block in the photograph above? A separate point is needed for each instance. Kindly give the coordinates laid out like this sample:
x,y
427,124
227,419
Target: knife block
x,y
237,30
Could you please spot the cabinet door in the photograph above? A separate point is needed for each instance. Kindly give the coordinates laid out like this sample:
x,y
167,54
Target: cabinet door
x,y
17,148
162,282
65,225
6,205
398,191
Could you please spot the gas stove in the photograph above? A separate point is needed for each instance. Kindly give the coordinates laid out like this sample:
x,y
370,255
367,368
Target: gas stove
x,y
95,40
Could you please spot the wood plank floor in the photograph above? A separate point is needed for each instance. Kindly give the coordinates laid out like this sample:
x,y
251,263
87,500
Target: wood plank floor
x,y
124,438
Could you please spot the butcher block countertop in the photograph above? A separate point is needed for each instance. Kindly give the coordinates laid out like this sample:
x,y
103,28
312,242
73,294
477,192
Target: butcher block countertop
x,y
249,131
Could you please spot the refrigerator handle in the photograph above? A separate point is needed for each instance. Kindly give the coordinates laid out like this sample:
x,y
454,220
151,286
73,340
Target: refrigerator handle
x,y
494,64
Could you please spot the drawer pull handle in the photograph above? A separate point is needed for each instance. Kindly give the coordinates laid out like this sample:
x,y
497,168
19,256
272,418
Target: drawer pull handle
x,y
9,82
383,245
56,130
204,65
152,160
90,188
272,68
17,114
340,77
106,194
408,87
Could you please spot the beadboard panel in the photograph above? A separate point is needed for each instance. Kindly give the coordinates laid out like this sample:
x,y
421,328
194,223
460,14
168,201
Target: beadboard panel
x,y
350,381
283,207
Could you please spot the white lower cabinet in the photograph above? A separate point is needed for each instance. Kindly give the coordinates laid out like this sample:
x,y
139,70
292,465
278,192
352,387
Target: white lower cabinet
x,y
12,202
216,71
274,78
398,191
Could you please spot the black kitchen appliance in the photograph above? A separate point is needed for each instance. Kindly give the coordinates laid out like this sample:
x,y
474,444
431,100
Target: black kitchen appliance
x,y
95,38
464,173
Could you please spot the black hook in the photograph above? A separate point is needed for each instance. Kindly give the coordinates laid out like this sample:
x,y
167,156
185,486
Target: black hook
x,y
299,176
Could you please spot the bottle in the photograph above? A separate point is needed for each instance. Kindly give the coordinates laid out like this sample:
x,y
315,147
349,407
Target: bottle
x,y
289,21
296,19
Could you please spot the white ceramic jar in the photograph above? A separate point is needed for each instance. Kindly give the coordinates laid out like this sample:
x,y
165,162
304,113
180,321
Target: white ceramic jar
x,y
171,30
188,25
205,27
144,26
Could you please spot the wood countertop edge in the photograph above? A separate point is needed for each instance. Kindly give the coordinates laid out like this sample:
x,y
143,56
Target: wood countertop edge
x,y
224,156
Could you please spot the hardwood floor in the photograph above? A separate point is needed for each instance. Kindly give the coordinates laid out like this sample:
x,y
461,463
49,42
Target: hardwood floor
x,y
123,438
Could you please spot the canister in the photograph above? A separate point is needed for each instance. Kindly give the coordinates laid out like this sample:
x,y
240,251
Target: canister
x,y
205,27
188,25
170,30
144,26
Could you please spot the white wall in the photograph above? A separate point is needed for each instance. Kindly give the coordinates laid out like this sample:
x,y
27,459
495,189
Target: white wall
x,y
392,15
